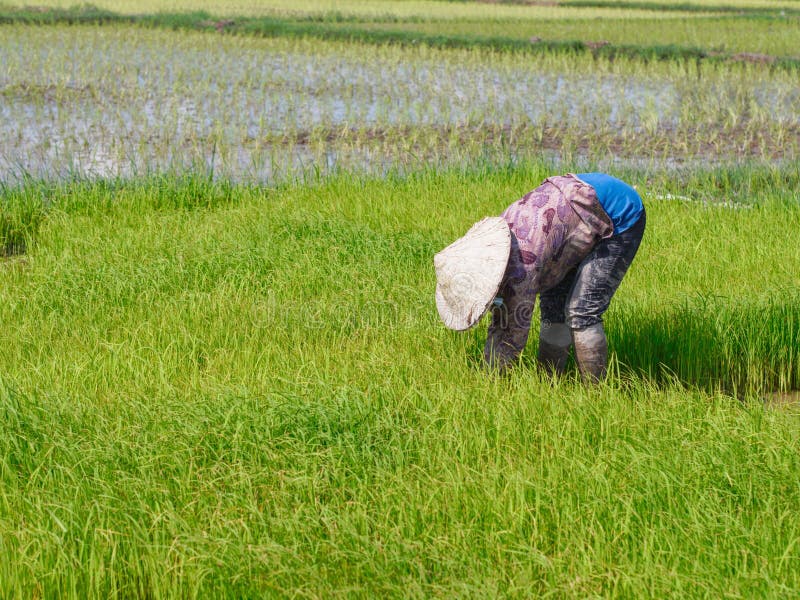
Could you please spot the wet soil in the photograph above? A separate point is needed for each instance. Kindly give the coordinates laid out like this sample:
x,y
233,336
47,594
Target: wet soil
x,y
783,400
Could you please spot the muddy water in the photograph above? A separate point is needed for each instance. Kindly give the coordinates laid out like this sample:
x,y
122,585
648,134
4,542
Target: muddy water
x,y
116,101
783,400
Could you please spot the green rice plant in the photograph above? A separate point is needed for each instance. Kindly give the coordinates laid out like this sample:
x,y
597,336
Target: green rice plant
x,y
693,5
338,9
211,388
235,391
680,38
21,214
751,343
768,39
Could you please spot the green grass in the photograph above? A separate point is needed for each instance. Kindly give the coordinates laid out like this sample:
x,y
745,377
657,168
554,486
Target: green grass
x,y
211,390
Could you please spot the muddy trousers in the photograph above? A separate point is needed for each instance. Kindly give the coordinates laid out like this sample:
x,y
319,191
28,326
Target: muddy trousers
x,y
572,310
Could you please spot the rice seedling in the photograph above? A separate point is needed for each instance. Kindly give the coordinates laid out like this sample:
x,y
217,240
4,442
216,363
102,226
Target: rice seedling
x,y
335,9
769,38
733,5
743,36
228,391
212,387
103,101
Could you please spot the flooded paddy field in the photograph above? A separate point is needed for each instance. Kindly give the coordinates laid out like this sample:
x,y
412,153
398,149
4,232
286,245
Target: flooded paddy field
x,y
120,101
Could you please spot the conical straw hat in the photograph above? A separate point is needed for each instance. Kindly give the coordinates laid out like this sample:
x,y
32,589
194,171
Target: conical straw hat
x,y
469,272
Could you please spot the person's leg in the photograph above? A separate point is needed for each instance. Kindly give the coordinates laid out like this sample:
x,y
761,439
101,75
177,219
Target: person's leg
x,y
597,278
555,337
591,352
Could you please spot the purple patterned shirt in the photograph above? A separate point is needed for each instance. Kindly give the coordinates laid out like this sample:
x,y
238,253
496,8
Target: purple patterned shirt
x,y
553,228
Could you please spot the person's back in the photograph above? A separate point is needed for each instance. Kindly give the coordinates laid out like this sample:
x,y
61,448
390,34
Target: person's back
x,y
621,202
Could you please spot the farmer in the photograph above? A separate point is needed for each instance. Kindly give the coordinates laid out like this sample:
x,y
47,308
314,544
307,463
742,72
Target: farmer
x,y
570,240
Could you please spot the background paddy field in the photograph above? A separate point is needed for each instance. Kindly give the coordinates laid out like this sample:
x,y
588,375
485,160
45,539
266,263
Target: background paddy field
x,y
222,373
118,100
426,9
767,29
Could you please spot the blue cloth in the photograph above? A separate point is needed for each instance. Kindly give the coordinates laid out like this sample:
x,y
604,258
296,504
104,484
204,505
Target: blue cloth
x,y
620,201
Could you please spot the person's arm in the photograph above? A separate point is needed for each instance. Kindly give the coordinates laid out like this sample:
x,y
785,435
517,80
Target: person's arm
x,y
511,322
510,327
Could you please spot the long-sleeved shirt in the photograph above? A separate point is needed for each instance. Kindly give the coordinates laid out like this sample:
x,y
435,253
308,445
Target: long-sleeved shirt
x,y
553,228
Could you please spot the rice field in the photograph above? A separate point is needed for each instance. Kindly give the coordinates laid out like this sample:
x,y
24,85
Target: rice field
x,y
775,38
117,101
404,9
222,372
434,9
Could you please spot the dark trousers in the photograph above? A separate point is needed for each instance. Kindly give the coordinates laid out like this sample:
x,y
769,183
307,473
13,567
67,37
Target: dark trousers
x,y
581,298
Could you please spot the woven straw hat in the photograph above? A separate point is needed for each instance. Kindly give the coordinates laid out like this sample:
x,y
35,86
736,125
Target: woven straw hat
x,y
469,272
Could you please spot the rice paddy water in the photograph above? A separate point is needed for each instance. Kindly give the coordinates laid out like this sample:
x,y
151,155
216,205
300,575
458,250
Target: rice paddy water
x,y
118,101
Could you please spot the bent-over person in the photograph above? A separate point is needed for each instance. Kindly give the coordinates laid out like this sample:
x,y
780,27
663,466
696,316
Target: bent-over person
x,y
571,241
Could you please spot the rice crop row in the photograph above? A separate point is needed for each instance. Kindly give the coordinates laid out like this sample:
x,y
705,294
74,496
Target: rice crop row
x,y
121,101
775,38
225,391
414,9
695,5
738,37
436,9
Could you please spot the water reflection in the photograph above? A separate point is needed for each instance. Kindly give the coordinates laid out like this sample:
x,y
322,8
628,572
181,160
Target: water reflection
x,y
116,102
